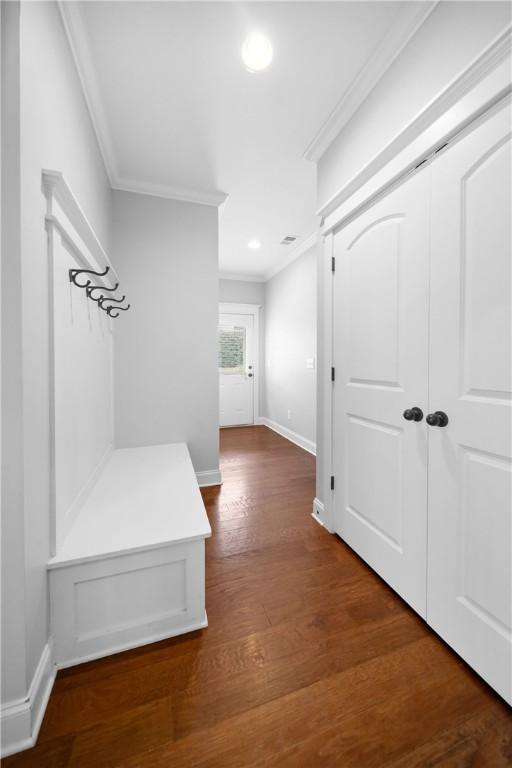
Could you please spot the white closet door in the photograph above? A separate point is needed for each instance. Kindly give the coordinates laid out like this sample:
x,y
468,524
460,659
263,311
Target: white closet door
x,y
380,332
470,505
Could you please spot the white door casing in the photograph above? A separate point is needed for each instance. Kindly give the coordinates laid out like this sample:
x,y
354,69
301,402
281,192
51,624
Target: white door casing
x,y
236,382
380,354
470,500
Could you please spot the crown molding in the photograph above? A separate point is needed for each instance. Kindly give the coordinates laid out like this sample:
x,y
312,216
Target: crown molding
x,y
407,22
301,248
483,82
76,32
242,278
183,194
74,26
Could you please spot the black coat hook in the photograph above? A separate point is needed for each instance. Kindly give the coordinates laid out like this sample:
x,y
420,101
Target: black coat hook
x,y
73,274
104,299
111,314
90,288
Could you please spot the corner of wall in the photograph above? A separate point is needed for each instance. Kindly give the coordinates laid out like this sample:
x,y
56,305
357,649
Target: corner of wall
x,y
209,477
20,720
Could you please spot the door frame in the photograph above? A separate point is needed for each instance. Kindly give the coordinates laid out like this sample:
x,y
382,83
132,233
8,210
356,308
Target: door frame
x,y
477,90
231,308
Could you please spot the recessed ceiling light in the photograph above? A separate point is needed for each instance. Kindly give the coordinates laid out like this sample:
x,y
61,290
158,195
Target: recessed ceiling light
x,y
257,52
254,245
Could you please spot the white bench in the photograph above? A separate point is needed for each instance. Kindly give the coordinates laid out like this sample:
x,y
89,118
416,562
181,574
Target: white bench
x,y
131,570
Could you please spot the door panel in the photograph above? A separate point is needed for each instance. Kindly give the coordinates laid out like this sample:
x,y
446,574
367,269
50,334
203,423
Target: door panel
x,y
380,352
236,370
373,304
374,451
470,500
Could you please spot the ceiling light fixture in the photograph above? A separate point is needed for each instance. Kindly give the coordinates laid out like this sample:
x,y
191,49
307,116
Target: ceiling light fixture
x,y
257,52
254,245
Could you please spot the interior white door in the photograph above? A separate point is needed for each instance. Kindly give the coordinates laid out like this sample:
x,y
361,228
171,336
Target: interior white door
x,y
236,369
380,353
470,502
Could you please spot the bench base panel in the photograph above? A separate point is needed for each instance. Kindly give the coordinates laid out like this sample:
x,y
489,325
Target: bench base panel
x,y
123,601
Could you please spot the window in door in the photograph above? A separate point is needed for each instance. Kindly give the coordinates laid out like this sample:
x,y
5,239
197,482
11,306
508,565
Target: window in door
x,y
232,350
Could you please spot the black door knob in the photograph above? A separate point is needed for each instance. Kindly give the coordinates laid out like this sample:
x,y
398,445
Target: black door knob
x,y
437,419
413,414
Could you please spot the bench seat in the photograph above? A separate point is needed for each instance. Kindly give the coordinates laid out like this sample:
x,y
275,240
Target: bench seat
x,y
131,570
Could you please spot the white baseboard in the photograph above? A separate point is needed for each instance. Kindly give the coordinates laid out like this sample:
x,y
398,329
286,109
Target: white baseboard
x,y
318,514
293,437
318,507
21,719
209,477
155,638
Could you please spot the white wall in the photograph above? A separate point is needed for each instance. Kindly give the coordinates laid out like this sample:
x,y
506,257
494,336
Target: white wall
x,y
290,339
165,346
452,36
242,291
56,133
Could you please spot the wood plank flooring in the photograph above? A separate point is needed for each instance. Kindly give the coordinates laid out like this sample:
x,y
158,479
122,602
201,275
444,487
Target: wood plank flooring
x,y
309,659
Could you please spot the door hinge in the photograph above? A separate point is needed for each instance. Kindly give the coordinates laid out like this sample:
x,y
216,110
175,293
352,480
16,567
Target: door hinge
x,y
332,482
333,264
432,154
422,162
333,373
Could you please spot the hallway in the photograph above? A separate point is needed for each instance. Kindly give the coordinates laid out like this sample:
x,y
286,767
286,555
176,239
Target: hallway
x,y
308,660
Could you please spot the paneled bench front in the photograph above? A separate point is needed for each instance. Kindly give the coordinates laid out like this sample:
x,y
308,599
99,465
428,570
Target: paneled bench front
x,y
131,570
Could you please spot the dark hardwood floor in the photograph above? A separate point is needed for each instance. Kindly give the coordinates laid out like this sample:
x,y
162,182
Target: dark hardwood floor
x,y
309,659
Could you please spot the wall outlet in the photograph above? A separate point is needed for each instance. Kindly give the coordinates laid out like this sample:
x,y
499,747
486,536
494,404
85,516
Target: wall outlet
x,y
289,415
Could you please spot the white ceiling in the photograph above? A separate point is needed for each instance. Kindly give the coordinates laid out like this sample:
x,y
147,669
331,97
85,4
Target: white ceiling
x,y
177,113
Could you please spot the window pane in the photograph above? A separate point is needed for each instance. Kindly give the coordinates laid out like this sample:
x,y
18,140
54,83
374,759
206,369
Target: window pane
x,y
232,350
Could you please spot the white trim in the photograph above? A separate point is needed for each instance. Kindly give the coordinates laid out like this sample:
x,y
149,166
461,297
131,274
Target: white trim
x,y
241,278
209,477
318,507
183,194
76,32
231,308
220,210
61,564
297,250
326,276
318,514
407,22
74,26
484,81
135,643
21,719
293,437
62,210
